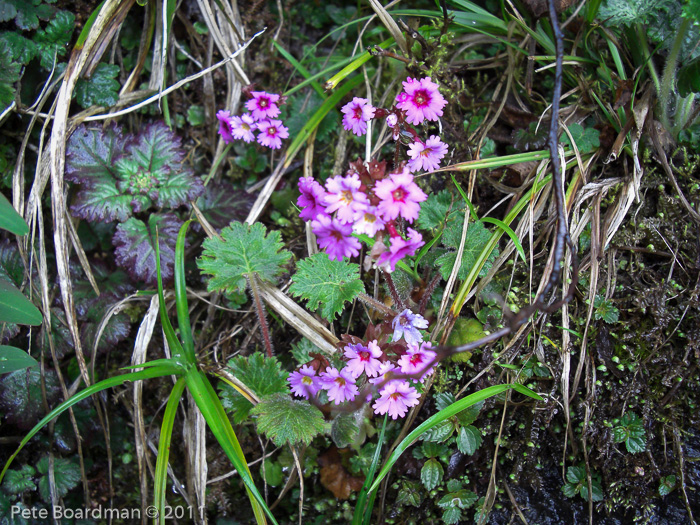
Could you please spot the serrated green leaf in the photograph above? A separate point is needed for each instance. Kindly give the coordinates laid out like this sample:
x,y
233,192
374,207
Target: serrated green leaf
x,y
52,42
195,115
344,430
435,210
575,475
263,375
595,488
469,415
635,445
10,74
605,310
462,499
452,516
667,485
570,489
18,481
439,432
620,434
431,473
476,239
410,494
243,250
301,351
443,400
20,49
12,359
586,139
286,421
431,449
66,476
26,13
469,439
101,89
331,284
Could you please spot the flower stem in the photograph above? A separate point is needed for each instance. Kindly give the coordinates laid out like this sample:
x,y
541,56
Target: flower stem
x,y
260,311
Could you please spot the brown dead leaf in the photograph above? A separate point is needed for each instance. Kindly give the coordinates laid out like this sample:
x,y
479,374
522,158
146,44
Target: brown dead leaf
x,y
335,477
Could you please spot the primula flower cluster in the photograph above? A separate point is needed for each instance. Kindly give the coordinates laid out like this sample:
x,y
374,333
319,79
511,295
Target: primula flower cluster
x,y
420,100
359,203
263,108
369,363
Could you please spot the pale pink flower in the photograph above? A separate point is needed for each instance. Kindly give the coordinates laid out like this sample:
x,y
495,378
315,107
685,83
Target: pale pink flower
x,y
242,127
385,369
335,237
225,125
271,133
339,384
311,199
416,360
263,105
399,196
391,120
357,114
363,359
426,156
406,325
369,222
396,398
345,197
304,382
399,249
420,100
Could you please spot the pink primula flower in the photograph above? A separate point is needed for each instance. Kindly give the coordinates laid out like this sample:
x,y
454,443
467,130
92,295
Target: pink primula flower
x,y
242,127
339,384
311,199
345,197
399,249
304,382
384,370
263,105
363,359
396,398
416,359
426,156
225,125
399,196
369,222
420,100
271,133
335,237
357,114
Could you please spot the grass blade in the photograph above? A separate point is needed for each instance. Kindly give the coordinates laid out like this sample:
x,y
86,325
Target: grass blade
x,y
166,434
172,368
183,313
333,82
168,330
10,220
363,509
299,67
442,415
209,404
502,225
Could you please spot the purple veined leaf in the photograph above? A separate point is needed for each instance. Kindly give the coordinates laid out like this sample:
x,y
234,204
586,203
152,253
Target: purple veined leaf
x,y
222,203
114,285
156,168
134,243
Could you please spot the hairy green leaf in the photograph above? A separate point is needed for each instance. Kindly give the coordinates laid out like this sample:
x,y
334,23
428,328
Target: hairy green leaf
x,y
328,283
263,375
101,89
476,239
462,499
18,481
286,421
242,251
66,476
435,211
344,430
439,432
431,473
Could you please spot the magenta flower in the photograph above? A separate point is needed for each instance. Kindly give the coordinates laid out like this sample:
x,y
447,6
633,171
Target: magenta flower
x,y
271,133
399,196
363,359
357,114
225,125
345,197
369,222
263,105
426,156
416,359
396,398
242,127
420,100
311,199
335,237
339,384
304,382
406,324
400,248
